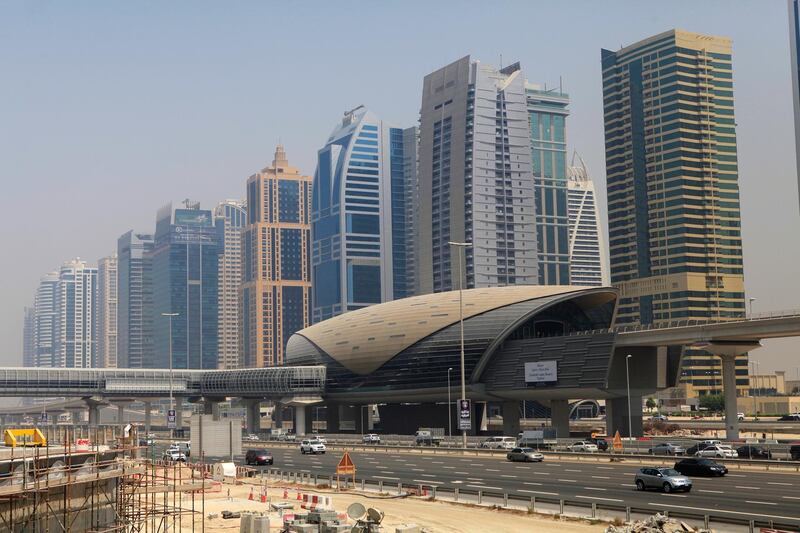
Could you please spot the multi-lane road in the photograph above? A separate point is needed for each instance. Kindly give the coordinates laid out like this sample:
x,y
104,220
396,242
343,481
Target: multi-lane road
x,y
749,495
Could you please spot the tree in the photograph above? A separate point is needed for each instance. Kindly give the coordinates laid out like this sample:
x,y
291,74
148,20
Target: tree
x,y
651,403
713,402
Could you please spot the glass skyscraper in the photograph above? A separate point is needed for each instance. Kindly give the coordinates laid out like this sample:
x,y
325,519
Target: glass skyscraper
x,y
107,300
230,218
135,300
276,263
673,193
588,256
76,323
360,215
185,278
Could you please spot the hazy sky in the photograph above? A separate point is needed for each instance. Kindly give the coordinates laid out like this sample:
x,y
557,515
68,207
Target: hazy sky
x,y
108,110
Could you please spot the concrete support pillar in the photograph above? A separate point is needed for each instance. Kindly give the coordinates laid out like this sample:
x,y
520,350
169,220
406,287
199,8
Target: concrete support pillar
x,y
211,407
94,415
277,415
729,390
178,412
253,415
511,425
332,418
77,417
120,413
370,421
148,417
617,416
559,417
300,420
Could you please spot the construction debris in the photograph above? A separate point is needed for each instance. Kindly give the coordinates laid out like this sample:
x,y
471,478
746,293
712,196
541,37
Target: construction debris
x,y
657,523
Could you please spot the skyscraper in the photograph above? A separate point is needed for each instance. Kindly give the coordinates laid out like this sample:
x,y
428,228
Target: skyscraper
x,y
359,215
673,193
29,337
475,178
410,165
794,52
107,312
230,217
135,301
76,319
276,278
185,281
46,321
547,111
588,257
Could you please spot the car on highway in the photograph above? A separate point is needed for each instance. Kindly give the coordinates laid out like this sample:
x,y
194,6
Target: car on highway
x,y
314,446
790,418
174,455
700,466
525,455
583,446
667,448
721,451
702,445
371,438
666,479
658,417
748,451
322,439
602,443
258,457
740,417
251,437
794,451
499,443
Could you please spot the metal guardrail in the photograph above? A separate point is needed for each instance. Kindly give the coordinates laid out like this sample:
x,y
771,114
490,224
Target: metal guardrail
x,y
534,503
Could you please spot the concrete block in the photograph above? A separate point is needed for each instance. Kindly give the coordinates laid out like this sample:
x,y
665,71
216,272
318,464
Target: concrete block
x,y
318,517
335,527
407,528
304,528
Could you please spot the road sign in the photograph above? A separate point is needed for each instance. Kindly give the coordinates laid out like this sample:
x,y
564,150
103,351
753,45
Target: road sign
x,y
171,419
465,414
617,443
346,466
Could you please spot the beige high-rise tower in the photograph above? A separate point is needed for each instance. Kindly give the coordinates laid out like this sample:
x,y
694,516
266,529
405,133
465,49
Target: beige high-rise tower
x,y
276,277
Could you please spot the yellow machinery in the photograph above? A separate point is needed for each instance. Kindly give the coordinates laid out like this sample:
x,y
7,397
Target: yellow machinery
x,y
24,437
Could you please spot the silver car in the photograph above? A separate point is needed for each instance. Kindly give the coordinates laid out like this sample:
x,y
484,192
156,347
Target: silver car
x,y
667,448
666,479
525,455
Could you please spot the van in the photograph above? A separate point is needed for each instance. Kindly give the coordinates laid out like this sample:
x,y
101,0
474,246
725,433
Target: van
x,y
499,443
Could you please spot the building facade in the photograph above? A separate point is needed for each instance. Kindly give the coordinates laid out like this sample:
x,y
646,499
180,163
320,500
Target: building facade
x,y
547,111
359,215
673,194
185,281
45,328
230,217
276,276
588,256
76,316
794,53
107,288
475,179
135,300
29,337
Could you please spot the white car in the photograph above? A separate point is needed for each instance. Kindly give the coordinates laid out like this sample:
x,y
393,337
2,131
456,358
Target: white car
x,y
174,455
311,446
499,443
251,437
371,438
584,446
658,417
740,417
722,451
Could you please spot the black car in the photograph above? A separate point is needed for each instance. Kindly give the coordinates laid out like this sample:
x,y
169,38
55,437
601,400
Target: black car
x,y
748,451
700,466
602,444
789,418
258,457
697,447
794,451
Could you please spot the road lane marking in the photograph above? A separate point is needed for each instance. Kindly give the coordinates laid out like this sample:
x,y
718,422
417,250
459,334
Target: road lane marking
x,y
427,482
601,477
475,479
506,475
735,475
605,467
747,487
778,483
429,475
491,470
531,483
450,467
594,488
457,482
598,498
761,503
568,480
538,492
484,487
461,473
568,470
724,511
386,477
438,462
712,491
673,495
475,464
791,497
542,473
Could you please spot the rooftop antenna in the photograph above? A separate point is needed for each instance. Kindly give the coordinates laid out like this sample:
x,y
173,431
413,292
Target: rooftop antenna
x,y
501,60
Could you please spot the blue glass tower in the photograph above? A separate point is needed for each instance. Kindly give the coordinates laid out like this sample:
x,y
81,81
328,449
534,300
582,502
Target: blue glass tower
x,y
185,280
359,216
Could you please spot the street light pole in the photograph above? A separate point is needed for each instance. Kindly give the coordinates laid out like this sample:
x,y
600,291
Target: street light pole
x,y
751,300
171,400
449,409
460,246
628,380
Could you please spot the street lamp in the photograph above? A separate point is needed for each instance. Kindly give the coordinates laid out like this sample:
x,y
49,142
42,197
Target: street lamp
x,y
751,300
449,408
171,401
461,246
628,380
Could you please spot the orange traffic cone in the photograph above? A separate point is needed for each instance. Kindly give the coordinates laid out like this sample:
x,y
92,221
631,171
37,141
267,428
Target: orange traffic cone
x,y
285,494
263,497
251,494
299,497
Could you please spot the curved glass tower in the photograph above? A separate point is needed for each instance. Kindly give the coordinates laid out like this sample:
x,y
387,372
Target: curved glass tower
x,y
359,215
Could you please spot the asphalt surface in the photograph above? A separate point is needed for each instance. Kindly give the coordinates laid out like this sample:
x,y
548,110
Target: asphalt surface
x,y
739,495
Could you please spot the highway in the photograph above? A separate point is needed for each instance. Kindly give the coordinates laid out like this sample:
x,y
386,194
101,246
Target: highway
x,y
759,496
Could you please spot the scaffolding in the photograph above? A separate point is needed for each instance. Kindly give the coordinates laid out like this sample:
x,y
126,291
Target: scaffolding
x,y
65,489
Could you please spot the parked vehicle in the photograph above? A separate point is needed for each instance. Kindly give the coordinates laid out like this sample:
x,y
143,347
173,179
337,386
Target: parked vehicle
x,y
499,443
311,446
700,467
602,444
428,436
702,445
371,438
525,455
174,455
794,451
721,451
251,437
790,418
584,446
748,451
658,417
740,417
258,457
667,448
666,479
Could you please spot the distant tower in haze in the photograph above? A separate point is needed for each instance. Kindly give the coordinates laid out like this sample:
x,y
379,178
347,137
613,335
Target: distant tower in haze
x,y
230,217
46,321
76,305
134,300
276,278
29,337
107,312
794,51
588,257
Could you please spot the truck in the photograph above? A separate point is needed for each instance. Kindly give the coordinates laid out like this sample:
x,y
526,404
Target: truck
x,y
428,436
537,438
